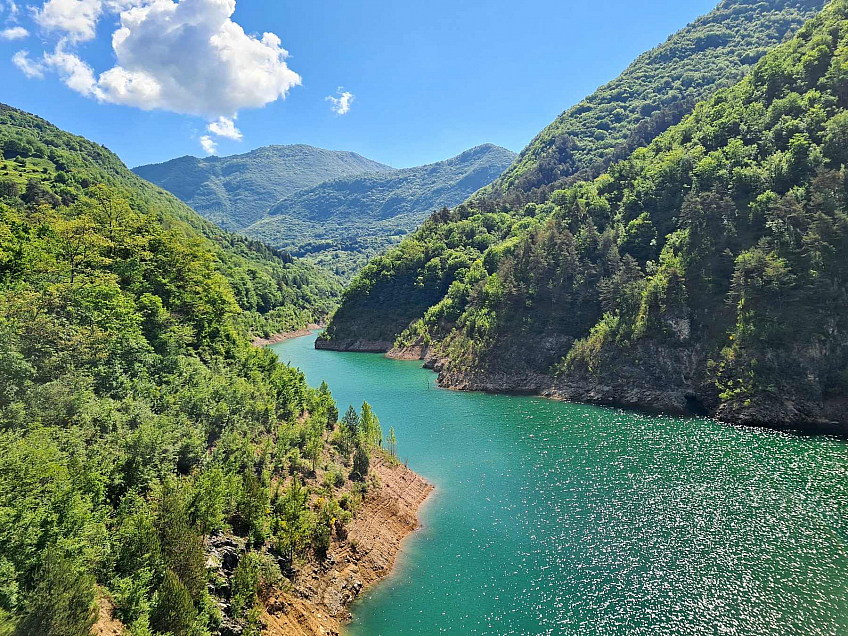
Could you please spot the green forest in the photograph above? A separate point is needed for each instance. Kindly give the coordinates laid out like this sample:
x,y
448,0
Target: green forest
x,y
341,224
711,263
655,92
136,420
677,241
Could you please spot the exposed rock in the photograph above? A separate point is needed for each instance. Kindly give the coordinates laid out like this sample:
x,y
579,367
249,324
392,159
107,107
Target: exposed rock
x,y
317,602
357,345
286,335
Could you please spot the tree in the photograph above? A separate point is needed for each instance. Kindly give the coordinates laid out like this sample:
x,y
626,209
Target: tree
x,y
392,442
640,238
349,430
293,523
245,585
36,194
314,446
370,426
252,506
173,610
181,544
330,405
361,463
9,188
62,603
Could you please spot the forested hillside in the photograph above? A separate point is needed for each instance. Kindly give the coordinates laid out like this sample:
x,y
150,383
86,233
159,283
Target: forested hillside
x,y
653,93
235,191
42,162
705,272
396,289
137,424
341,223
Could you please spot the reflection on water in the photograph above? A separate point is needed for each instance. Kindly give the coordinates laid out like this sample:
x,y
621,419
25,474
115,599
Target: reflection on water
x,y
554,518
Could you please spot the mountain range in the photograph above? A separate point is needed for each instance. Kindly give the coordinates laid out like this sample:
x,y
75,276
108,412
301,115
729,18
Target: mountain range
x,y
235,191
341,223
701,273
335,208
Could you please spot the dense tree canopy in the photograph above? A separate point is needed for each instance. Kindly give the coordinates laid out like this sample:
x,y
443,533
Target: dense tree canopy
x,y
135,418
341,223
656,91
711,261
43,164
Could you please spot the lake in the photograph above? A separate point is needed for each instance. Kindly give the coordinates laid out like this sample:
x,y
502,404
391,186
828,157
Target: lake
x,y
555,518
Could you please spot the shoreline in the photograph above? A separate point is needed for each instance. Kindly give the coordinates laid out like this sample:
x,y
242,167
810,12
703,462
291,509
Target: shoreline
x,y
544,387
277,338
319,601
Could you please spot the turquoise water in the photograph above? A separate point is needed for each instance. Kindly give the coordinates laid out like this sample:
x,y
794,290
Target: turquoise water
x,y
552,518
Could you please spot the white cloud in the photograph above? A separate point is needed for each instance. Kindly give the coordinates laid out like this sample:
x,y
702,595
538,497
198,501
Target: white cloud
x,y
185,56
14,33
13,9
225,127
341,105
209,145
76,74
28,67
75,19
189,57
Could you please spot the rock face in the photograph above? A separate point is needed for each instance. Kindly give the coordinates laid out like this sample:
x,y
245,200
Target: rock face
x,y
318,601
355,346
651,376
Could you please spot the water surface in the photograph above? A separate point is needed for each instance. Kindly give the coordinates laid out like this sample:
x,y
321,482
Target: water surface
x,y
553,518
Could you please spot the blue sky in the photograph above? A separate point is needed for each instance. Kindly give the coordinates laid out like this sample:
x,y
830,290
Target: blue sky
x,y
429,79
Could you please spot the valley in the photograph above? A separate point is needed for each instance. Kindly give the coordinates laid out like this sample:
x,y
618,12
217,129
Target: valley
x,y
597,387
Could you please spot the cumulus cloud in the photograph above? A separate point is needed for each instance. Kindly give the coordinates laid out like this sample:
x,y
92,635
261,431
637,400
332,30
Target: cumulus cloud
x,y
219,69
14,33
341,104
76,74
27,66
209,145
225,127
74,19
187,57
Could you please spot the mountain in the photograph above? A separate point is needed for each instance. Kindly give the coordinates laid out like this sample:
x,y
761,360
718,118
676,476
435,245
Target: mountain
x,y
653,93
704,273
396,290
275,291
340,223
235,191
140,432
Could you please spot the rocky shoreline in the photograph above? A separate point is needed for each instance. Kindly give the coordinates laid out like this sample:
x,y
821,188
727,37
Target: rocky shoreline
x,y
354,346
318,602
638,386
286,335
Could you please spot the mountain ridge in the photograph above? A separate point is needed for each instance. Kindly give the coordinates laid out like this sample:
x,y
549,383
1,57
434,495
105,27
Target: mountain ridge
x,y
609,288
235,190
338,223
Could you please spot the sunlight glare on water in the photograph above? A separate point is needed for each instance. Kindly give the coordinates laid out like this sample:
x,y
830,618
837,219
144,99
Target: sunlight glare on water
x,y
553,518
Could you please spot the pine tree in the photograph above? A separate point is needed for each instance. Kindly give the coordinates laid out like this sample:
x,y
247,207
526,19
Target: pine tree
x,y
349,430
181,544
392,442
62,603
173,612
361,463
